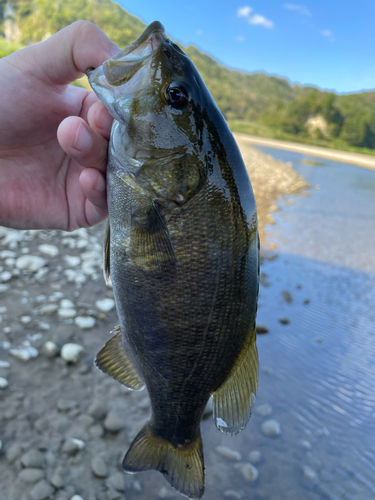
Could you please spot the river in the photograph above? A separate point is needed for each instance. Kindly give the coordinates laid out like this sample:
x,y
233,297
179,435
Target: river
x,y
317,372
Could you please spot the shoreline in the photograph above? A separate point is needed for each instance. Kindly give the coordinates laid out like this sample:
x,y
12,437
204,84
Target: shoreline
x,y
357,159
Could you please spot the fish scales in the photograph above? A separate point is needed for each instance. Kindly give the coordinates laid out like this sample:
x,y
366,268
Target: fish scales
x,y
183,254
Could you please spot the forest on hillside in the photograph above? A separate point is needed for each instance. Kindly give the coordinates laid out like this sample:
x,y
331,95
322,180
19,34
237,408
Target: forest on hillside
x,y
251,102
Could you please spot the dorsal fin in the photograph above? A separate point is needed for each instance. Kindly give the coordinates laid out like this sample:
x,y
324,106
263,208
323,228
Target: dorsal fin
x,y
114,360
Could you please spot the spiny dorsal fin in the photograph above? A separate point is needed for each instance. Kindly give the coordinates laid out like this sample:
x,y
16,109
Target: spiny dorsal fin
x,y
106,251
181,465
114,360
234,399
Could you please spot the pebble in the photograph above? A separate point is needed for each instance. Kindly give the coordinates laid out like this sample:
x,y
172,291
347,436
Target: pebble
x,y
85,322
7,254
25,320
287,296
72,446
116,481
50,250
42,491
24,354
99,467
284,321
66,313
255,457
76,497
166,493
271,428
13,452
5,276
97,409
3,288
48,309
30,263
33,458
309,473
232,494
114,422
113,495
261,329
70,352
249,472
306,445
72,260
56,480
44,326
31,475
67,304
105,305
228,453
3,383
264,410
4,364
50,349
3,310
66,404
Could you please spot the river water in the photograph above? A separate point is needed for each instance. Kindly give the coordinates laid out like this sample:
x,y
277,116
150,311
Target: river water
x,y
317,365
317,371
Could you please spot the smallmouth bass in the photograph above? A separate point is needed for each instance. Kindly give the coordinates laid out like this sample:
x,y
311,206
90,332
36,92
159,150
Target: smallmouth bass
x,y
182,251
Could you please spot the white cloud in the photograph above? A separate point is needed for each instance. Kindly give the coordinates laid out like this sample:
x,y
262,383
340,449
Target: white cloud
x,y
244,11
326,33
259,20
301,9
240,38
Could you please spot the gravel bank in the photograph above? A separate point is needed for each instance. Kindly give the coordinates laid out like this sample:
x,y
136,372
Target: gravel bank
x,y
64,426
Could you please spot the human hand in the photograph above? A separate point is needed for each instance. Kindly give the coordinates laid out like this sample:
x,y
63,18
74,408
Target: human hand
x,y
53,136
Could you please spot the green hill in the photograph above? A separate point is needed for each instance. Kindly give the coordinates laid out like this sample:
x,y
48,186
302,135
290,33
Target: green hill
x,y
252,102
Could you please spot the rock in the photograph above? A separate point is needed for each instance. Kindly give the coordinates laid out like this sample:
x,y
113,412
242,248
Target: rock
x,y
33,458
31,475
72,260
24,354
70,352
64,405
86,421
85,322
116,481
50,250
3,288
42,491
105,305
97,431
166,493
306,445
261,329
30,263
76,497
44,326
264,410
66,313
113,495
255,457
232,494
4,364
72,446
249,472
3,383
50,349
25,320
309,473
67,304
284,321
287,296
228,453
56,480
271,428
114,422
7,254
5,276
48,309
99,467
13,452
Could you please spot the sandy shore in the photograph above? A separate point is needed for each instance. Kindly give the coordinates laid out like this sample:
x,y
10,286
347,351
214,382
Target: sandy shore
x,y
360,160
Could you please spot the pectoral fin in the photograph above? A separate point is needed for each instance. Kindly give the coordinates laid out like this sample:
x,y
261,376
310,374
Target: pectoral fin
x,y
106,254
234,399
114,360
151,246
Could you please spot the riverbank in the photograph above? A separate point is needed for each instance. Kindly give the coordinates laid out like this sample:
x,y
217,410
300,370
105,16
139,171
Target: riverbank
x,y
360,160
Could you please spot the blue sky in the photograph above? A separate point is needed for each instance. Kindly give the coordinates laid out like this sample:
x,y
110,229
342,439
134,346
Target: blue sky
x,y
326,43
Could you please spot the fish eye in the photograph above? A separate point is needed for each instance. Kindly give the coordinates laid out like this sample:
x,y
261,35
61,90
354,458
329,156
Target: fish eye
x,y
177,96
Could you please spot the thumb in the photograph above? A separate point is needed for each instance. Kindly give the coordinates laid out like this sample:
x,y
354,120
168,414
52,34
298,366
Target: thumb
x,y
69,53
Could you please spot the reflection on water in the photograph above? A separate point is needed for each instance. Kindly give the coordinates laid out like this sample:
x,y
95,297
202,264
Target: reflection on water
x,y
317,371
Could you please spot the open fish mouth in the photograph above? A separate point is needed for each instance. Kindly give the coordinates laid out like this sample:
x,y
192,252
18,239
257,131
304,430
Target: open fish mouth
x,y
123,66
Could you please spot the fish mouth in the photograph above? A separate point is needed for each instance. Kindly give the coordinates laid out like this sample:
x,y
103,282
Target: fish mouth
x,y
124,65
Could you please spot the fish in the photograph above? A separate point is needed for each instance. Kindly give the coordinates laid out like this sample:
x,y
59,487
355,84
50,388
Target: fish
x,y
182,253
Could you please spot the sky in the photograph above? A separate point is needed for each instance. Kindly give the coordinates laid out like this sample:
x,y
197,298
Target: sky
x,y
325,43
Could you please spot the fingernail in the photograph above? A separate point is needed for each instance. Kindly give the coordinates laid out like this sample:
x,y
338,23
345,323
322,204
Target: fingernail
x,y
83,140
100,183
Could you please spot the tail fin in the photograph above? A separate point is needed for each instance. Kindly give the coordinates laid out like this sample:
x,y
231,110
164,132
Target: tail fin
x,y
182,465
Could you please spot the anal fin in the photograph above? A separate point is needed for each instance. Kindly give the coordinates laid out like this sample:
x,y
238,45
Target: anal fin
x,y
114,360
106,254
233,400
